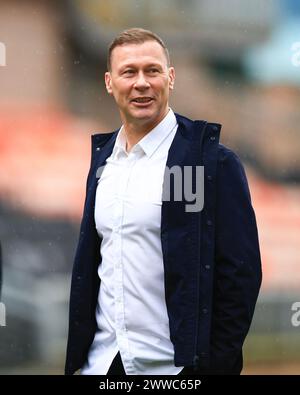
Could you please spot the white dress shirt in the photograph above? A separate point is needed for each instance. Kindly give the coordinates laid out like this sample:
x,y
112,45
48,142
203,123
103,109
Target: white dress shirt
x,y
131,313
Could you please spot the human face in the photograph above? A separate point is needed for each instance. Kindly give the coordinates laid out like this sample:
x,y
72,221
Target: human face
x,y
140,82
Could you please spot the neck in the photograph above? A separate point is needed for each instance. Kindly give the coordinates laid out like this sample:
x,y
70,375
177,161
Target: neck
x,y
133,134
134,131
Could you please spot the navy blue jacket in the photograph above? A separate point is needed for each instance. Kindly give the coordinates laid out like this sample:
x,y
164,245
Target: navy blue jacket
x,y
211,258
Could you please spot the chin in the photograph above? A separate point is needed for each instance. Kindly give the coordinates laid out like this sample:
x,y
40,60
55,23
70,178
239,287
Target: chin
x,y
144,115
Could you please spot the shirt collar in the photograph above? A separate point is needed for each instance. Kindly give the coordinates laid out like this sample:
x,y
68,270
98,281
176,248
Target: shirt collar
x,y
152,140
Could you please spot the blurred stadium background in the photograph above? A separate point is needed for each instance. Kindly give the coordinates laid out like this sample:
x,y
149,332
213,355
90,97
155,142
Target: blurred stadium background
x,y
235,65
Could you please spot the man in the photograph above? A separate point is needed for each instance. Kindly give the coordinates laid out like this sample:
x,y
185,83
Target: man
x,y
158,288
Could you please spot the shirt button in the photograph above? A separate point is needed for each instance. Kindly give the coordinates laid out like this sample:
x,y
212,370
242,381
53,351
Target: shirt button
x,y
212,138
204,311
209,177
209,222
207,267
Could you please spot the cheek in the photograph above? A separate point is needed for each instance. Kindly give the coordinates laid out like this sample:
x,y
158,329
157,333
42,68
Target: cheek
x,y
164,88
121,91
164,92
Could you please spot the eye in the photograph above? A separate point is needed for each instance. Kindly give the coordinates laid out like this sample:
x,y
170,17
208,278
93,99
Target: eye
x,y
153,70
128,72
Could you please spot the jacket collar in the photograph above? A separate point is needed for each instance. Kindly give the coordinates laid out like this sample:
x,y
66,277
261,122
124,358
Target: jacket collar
x,y
187,132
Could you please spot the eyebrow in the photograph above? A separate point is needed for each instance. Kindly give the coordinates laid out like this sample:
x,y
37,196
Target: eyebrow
x,y
132,65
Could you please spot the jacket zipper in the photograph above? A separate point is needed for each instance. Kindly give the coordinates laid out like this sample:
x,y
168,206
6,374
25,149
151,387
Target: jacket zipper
x,y
196,356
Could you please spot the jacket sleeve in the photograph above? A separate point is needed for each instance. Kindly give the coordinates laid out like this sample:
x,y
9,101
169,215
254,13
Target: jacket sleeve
x,y
237,276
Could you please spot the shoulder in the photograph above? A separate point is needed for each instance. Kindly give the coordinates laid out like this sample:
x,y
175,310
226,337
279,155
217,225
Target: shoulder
x,y
103,138
228,158
230,171
199,129
227,154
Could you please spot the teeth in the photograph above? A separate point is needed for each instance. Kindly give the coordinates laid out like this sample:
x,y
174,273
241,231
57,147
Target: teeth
x,y
142,99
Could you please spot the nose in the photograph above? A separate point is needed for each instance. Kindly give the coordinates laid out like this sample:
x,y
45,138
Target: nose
x,y
141,82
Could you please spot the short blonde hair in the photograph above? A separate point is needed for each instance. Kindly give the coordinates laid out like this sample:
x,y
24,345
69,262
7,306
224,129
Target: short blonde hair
x,y
135,35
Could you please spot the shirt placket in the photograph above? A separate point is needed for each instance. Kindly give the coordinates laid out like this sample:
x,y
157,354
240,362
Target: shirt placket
x,y
121,330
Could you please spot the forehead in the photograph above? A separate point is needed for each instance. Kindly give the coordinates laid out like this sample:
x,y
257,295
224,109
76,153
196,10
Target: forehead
x,y
147,52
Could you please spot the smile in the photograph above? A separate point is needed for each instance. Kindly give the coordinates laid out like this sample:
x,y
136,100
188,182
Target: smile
x,y
142,100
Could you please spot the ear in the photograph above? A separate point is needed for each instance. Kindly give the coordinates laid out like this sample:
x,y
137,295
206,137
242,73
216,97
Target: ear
x,y
107,77
171,77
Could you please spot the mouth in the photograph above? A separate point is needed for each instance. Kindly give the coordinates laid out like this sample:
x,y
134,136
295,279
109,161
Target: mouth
x,y
142,101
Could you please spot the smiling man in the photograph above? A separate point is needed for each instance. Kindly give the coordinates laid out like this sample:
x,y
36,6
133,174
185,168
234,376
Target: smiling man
x,y
157,289
140,79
